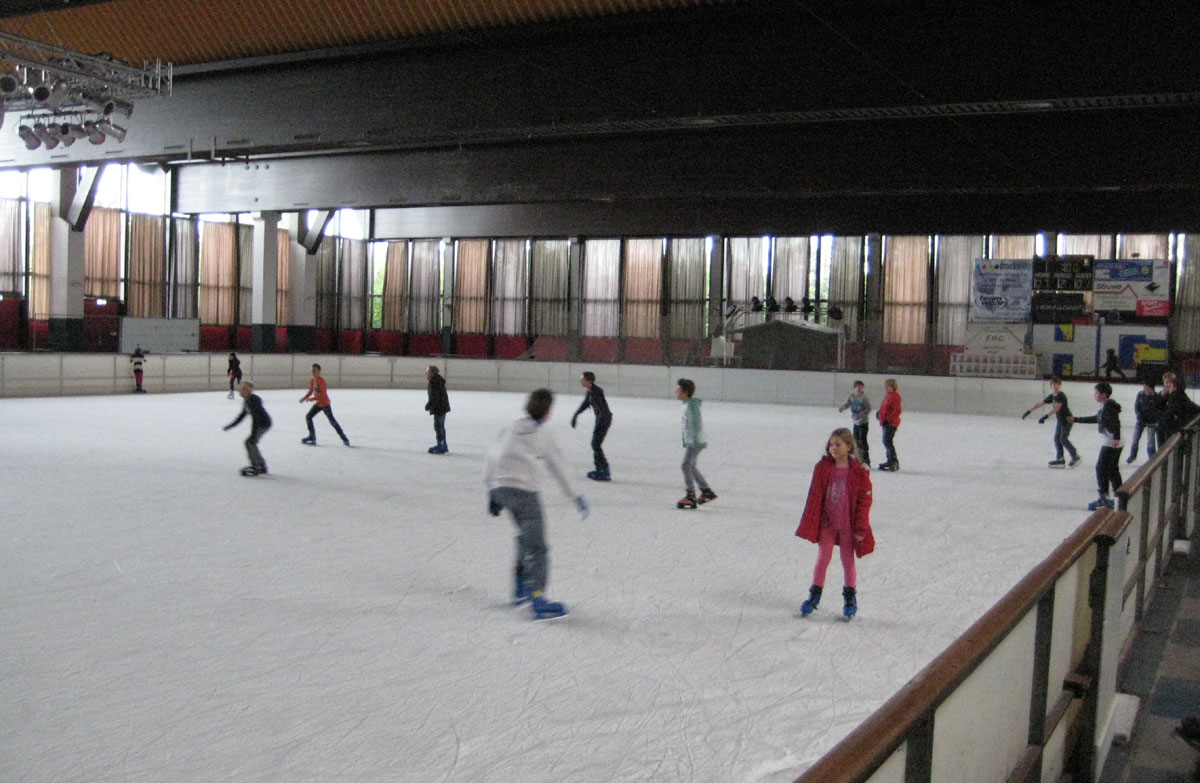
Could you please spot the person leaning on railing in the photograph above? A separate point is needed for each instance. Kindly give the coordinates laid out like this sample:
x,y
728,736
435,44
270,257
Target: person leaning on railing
x,y
1177,408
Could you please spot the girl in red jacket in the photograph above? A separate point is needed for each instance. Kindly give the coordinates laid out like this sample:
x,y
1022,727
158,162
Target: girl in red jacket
x,y
838,512
889,421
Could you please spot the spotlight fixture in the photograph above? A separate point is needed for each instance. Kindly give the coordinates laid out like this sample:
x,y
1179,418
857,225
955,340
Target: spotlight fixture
x,y
70,131
108,129
100,103
124,108
32,142
9,85
94,134
48,137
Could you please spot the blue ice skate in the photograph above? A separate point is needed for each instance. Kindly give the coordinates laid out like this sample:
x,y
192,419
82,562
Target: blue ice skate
x,y
851,606
547,610
814,598
1101,502
521,593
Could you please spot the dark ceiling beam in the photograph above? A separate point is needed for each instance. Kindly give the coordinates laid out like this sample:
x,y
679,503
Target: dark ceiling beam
x,y
22,7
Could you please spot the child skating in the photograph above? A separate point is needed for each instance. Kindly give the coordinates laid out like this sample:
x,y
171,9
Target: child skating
x,y
438,406
1108,465
860,409
319,394
137,358
838,513
1146,408
595,400
260,422
511,475
889,422
234,372
1062,424
693,444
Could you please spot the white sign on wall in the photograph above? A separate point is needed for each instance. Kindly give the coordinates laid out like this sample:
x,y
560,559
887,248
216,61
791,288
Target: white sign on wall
x,y
1136,285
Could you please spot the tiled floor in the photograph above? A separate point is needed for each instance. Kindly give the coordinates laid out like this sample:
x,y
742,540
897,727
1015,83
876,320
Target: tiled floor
x,y
1164,672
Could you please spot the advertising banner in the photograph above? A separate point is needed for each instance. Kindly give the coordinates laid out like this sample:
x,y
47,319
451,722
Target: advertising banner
x,y
1002,290
1137,285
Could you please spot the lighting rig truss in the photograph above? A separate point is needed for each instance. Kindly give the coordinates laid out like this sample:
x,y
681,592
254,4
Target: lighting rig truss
x,y
67,95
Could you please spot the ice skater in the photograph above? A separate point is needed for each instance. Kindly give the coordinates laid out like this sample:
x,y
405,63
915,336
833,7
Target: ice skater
x,y
595,400
889,422
260,422
1108,465
860,408
438,406
838,513
1113,364
1062,424
318,392
1146,409
511,476
693,444
234,372
1176,408
137,358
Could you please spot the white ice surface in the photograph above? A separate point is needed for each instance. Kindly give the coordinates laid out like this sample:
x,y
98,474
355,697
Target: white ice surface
x,y
346,618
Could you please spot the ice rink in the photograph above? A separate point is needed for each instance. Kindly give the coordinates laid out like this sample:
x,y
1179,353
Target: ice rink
x,y
346,618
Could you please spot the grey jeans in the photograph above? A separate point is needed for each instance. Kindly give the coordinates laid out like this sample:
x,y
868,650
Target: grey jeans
x,y
692,476
533,556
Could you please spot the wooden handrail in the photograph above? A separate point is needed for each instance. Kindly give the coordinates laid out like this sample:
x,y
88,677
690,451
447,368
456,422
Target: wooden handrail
x,y
876,738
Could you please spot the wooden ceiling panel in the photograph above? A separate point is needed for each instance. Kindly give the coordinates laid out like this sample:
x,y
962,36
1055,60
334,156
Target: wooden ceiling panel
x,y
187,32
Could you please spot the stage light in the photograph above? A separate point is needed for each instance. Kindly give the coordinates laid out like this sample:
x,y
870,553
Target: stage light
x,y
100,103
124,108
48,137
108,129
94,134
32,142
9,85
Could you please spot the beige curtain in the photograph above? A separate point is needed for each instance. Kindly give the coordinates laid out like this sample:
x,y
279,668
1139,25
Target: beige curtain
x,y
353,286
245,266
325,263
184,292
470,286
147,265
747,266
955,259
425,287
789,276
395,287
642,307
549,287
601,287
39,264
906,292
1185,310
1013,246
687,279
1095,245
218,270
1146,246
845,282
102,253
12,251
283,277
509,283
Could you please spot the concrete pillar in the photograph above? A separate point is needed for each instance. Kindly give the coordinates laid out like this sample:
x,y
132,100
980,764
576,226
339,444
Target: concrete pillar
x,y
66,268
302,290
575,300
264,282
448,273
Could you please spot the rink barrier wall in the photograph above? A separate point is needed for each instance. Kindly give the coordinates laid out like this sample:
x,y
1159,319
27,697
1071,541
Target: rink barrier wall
x,y
1037,674
57,374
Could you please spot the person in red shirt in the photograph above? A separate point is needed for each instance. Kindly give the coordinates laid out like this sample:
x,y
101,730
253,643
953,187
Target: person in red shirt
x,y
889,421
838,513
318,393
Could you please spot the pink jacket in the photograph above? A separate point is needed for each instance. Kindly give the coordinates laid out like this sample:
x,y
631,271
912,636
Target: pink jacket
x,y
858,484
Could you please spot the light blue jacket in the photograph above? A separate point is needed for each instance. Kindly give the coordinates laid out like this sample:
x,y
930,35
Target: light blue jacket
x,y
693,427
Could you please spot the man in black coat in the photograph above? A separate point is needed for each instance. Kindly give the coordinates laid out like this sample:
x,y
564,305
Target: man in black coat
x,y
438,406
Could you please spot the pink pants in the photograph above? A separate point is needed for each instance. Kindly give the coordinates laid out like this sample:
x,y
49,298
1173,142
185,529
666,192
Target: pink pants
x,y
825,554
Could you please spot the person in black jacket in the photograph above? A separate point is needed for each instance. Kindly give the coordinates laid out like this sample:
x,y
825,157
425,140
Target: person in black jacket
x,y
234,372
1177,409
260,422
438,406
594,399
1108,466
1146,408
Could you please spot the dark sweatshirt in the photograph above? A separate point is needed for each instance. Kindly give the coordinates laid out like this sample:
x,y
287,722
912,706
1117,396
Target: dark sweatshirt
x,y
1109,419
258,414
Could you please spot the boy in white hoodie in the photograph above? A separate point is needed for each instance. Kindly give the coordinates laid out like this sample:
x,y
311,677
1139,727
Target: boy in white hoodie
x,y
511,475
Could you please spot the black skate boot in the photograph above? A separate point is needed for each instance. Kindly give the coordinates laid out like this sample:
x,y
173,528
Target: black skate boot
x,y
814,598
687,501
706,495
